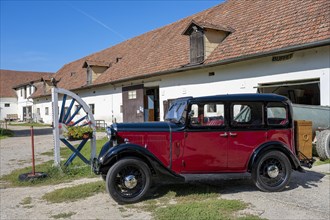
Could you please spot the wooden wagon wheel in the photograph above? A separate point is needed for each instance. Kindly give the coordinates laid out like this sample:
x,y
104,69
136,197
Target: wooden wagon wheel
x,y
64,121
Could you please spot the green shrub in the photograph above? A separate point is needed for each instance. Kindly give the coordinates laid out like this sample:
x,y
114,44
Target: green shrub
x,y
6,133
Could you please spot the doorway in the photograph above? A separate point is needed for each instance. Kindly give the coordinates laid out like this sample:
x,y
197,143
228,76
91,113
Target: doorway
x,y
140,104
299,92
151,104
27,113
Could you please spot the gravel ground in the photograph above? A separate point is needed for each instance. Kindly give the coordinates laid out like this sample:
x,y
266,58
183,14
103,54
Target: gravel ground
x,y
307,196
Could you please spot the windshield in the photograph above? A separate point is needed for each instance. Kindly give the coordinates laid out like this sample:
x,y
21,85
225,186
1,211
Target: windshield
x,y
177,112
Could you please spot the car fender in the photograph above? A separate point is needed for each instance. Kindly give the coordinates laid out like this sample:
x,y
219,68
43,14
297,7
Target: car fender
x,y
274,145
126,150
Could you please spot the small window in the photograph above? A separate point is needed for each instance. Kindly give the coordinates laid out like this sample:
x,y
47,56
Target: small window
x,y
25,92
7,104
38,111
277,114
92,107
46,110
132,94
210,114
21,92
247,115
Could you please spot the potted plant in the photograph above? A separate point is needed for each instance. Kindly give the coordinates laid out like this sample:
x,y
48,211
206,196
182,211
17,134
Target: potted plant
x,y
78,133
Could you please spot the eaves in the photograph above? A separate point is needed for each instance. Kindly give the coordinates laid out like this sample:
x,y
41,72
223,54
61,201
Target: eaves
x,y
213,64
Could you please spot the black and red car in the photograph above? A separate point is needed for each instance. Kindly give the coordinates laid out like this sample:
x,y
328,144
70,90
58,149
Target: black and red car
x,y
207,135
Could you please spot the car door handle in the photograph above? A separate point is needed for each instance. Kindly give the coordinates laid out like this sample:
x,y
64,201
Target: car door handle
x,y
232,134
224,135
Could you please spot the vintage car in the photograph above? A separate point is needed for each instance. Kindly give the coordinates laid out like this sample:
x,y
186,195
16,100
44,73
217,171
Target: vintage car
x,y
206,135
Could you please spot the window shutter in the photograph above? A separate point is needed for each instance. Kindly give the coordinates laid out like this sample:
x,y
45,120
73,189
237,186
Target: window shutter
x,y
196,46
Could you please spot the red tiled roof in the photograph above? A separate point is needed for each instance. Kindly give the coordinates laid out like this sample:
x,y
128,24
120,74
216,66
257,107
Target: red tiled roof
x,y
260,27
12,78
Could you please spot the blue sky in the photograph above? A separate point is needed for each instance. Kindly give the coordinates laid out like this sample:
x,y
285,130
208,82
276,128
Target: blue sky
x,y
45,35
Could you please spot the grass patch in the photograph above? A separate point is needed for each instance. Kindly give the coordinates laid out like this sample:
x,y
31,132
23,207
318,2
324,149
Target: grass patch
x,y
63,215
4,133
188,201
205,209
321,162
30,124
26,201
71,194
78,169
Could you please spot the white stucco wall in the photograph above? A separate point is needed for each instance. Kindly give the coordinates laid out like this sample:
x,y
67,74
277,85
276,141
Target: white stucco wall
x,y
242,77
12,109
24,101
107,101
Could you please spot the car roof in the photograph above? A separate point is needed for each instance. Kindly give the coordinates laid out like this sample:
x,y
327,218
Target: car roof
x,y
242,97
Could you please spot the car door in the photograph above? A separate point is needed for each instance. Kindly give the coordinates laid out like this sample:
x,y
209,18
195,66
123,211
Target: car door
x,y
246,132
205,144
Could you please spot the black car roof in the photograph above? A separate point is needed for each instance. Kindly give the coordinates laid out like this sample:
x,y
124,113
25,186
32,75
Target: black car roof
x,y
242,97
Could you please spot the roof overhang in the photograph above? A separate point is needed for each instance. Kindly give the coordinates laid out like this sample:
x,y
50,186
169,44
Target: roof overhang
x,y
100,63
206,25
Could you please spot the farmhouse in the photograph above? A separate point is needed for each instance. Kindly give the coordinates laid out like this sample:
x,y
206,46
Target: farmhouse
x,y
15,91
235,47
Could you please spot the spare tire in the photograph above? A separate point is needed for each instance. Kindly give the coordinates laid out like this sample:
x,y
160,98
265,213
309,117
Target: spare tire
x,y
323,145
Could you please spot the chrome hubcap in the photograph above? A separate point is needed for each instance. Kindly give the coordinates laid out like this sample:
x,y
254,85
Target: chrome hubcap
x,y
130,181
273,171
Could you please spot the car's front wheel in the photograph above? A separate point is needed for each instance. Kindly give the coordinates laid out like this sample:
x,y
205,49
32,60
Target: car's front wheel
x,y
272,171
128,180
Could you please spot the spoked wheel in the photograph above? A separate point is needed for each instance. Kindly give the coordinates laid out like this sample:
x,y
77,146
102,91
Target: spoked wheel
x,y
76,123
272,171
128,180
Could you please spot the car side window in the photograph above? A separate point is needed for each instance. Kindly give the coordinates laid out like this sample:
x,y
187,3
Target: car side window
x,y
247,115
277,114
207,115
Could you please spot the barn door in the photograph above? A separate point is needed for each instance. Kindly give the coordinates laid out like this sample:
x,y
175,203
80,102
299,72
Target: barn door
x,y
133,103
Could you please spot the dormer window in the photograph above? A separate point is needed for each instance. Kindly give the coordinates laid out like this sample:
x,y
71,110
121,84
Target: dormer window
x,y
196,45
95,69
204,38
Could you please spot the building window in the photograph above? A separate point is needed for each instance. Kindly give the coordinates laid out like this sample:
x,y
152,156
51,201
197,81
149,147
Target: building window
x,y
38,111
21,92
132,94
92,107
7,104
46,110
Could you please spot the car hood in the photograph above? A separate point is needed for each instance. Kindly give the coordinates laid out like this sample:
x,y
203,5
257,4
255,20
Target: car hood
x,y
148,126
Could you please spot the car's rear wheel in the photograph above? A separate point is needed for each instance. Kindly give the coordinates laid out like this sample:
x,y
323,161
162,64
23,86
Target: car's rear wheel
x,y
272,171
128,180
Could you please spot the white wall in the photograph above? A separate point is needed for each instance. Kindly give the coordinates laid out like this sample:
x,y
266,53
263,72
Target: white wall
x,y
12,109
107,101
243,77
24,101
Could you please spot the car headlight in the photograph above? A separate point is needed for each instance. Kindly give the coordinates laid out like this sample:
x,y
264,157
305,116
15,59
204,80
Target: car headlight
x,y
111,132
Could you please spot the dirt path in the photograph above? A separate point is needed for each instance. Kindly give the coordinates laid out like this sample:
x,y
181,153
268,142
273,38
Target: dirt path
x,y
307,196
16,153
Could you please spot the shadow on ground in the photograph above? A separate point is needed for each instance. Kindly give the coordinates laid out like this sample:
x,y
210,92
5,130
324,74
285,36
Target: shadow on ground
x,y
27,132
230,183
